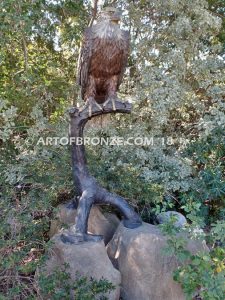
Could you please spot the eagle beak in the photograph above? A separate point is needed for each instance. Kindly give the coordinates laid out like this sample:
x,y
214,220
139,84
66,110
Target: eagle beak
x,y
115,18
115,21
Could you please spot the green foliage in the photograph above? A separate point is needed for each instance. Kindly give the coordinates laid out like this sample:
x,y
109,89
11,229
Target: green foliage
x,y
125,181
59,285
217,7
33,179
36,87
202,273
207,196
177,89
176,86
33,67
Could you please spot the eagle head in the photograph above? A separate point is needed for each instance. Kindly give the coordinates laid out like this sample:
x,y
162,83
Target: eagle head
x,y
110,14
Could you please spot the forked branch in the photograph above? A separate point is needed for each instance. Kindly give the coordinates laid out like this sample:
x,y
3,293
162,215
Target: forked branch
x,y
90,192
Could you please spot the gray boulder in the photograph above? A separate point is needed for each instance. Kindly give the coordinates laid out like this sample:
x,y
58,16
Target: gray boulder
x,y
87,259
165,217
98,223
146,273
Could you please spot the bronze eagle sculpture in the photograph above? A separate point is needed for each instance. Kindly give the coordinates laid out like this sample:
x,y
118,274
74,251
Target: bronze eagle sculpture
x,y
103,59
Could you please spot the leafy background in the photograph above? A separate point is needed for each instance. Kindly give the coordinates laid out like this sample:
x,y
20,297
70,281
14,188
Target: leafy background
x,y
175,80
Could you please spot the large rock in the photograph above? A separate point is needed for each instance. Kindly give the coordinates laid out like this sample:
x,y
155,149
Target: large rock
x,y
98,223
146,272
88,259
164,217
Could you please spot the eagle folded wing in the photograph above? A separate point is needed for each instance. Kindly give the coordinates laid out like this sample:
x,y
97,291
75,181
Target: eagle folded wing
x,y
126,49
84,61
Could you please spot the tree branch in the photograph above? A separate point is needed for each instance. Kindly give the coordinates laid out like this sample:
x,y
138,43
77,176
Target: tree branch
x,y
83,113
89,191
94,12
25,53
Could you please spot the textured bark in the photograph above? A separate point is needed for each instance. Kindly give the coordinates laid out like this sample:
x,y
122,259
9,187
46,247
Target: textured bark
x,y
90,192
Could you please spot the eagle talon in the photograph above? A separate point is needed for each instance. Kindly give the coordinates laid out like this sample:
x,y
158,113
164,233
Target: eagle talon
x,y
112,100
91,103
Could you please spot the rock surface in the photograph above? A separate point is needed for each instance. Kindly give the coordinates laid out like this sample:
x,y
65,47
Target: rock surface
x,y
98,223
88,259
146,273
164,217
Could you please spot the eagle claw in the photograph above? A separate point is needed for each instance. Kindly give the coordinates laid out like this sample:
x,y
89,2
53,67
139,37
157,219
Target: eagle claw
x,y
91,103
112,100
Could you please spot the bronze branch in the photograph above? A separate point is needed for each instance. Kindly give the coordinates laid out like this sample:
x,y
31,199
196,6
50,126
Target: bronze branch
x,y
90,192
